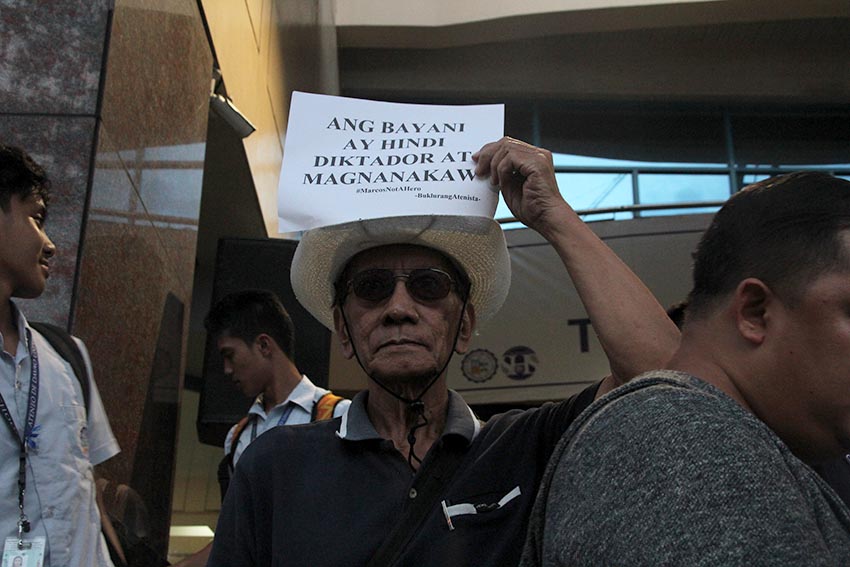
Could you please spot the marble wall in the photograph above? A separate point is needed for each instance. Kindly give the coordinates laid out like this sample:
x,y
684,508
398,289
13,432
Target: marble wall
x,y
112,98
50,66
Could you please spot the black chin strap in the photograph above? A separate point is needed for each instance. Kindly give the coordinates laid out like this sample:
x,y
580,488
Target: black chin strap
x,y
415,406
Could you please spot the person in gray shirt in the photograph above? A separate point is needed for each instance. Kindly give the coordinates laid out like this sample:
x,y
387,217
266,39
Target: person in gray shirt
x,y
709,462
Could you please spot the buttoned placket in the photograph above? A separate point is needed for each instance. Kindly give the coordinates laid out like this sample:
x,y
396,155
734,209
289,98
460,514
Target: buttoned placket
x,y
21,390
13,371
387,446
420,475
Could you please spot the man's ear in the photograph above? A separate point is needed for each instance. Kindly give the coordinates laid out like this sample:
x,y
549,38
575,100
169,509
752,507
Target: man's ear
x,y
264,343
467,328
752,303
342,333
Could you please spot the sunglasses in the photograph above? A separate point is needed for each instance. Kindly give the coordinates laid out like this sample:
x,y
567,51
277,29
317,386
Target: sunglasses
x,y
423,284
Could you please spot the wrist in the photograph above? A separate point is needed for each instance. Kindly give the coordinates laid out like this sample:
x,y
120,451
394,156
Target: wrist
x,y
557,223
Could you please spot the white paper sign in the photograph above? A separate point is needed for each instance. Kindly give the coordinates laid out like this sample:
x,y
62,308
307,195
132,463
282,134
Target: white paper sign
x,y
347,159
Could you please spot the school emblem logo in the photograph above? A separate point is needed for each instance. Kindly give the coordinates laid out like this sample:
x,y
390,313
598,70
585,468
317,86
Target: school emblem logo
x,y
519,363
479,365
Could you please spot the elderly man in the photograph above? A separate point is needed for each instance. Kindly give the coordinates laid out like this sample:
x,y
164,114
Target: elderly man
x,y
409,476
706,463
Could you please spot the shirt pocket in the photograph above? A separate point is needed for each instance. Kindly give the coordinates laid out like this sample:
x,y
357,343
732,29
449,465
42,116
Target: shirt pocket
x,y
77,429
482,509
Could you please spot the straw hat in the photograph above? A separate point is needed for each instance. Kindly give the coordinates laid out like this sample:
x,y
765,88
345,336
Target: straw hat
x,y
476,244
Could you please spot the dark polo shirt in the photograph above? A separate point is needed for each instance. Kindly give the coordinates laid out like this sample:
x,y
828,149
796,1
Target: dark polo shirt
x,y
328,493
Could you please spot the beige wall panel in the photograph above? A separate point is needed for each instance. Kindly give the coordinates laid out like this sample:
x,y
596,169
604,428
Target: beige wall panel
x,y
240,36
267,49
450,12
258,12
302,53
239,54
265,154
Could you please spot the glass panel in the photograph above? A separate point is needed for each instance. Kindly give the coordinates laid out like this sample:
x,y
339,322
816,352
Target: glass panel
x,y
172,192
661,188
621,215
598,149
584,191
686,211
806,141
588,191
572,160
750,178
628,137
512,225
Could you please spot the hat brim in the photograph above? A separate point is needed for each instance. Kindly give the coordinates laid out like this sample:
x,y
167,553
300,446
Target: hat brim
x,y
476,244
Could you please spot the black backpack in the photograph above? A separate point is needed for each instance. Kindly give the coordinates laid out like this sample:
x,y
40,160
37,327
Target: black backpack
x,y
64,344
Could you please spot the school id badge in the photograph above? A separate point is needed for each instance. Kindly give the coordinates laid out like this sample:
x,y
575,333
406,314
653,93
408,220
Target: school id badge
x,y
30,554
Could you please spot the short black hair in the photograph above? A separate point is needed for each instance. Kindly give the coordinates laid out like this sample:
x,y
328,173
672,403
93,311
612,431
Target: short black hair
x,y
784,231
20,175
248,313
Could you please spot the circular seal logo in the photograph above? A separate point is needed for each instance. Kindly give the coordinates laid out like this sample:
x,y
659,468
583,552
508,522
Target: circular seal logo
x,y
519,363
479,365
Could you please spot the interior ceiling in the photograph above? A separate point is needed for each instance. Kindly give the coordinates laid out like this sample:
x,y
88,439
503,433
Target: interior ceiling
x,y
701,52
364,24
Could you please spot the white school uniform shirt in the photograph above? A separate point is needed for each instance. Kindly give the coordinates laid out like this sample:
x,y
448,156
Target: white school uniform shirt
x,y
301,399
60,494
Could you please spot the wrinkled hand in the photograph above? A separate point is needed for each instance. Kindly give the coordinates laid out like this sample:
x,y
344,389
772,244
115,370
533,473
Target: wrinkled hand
x,y
525,174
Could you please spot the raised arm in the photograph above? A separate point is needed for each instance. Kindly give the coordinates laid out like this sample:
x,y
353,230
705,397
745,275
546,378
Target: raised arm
x,y
632,326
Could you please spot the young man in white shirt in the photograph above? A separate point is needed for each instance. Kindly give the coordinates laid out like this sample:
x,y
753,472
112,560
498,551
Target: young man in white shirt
x,y
255,336
51,437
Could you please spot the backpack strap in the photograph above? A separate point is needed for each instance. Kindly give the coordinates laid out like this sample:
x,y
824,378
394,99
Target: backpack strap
x,y
237,433
225,466
324,407
64,344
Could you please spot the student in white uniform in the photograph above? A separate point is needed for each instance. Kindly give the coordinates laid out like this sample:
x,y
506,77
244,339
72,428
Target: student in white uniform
x,y
49,439
256,339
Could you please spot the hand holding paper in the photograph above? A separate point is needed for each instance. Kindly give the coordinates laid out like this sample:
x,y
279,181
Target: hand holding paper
x,y
525,174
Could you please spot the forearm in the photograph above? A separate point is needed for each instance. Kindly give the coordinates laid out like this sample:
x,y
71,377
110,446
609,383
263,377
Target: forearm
x,y
632,326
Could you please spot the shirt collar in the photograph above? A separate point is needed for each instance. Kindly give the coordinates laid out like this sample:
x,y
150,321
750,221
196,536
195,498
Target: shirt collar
x,y
302,395
460,420
22,351
22,320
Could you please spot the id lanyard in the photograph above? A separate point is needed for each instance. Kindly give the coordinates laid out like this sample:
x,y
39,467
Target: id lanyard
x,y
28,439
282,421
